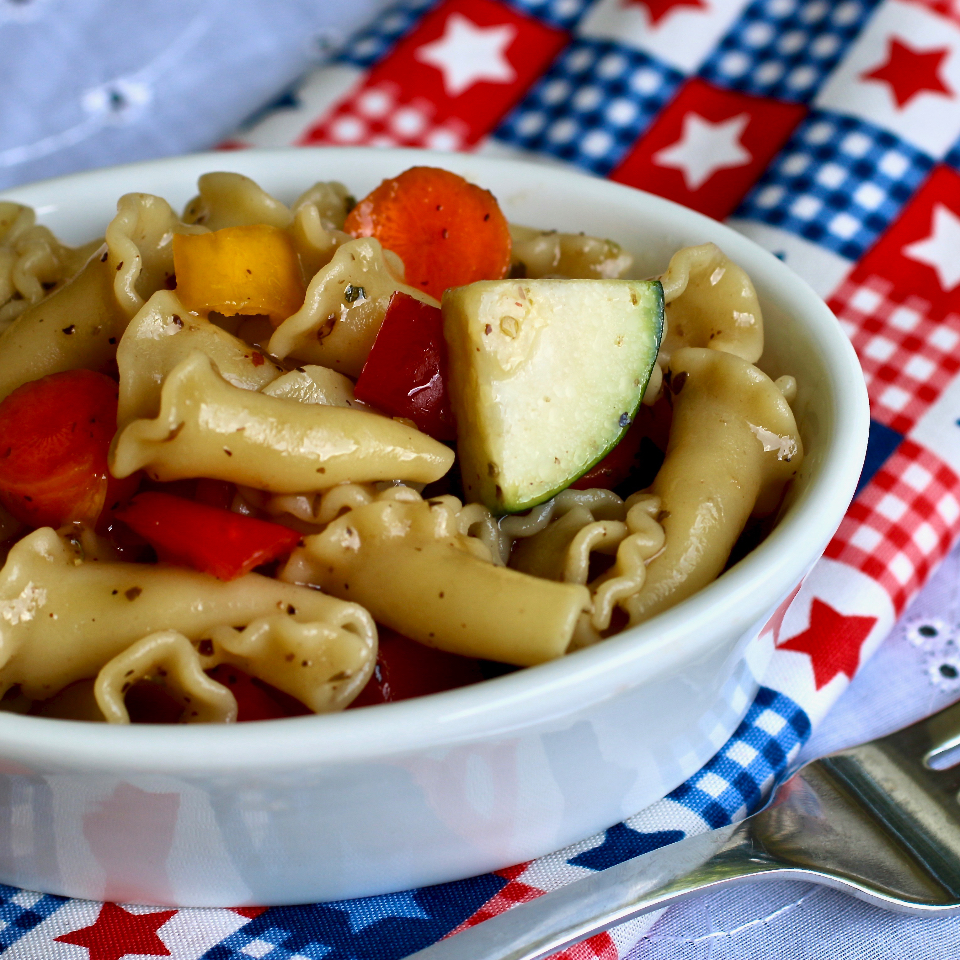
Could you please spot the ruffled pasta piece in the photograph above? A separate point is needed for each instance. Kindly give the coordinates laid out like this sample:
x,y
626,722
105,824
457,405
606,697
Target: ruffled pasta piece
x,y
547,253
207,427
710,302
591,522
76,326
561,551
161,336
734,445
140,248
233,200
344,307
317,228
315,510
32,261
321,664
63,617
332,201
644,540
409,564
171,660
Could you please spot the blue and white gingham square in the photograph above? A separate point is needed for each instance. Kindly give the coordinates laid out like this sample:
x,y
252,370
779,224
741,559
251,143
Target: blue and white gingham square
x,y
736,781
953,157
786,48
591,105
21,911
265,943
565,14
368,46
839,182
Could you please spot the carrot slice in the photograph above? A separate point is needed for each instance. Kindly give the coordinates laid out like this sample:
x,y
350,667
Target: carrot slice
x,y
447,231
53,453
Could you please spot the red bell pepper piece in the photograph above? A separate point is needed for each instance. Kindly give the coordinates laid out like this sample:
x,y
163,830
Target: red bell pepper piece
x,y
615,467
406,370
651,422
53,454
209,539
256,700
408,669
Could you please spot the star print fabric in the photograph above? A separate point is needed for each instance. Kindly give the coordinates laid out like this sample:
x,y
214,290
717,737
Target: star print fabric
x,y
829,132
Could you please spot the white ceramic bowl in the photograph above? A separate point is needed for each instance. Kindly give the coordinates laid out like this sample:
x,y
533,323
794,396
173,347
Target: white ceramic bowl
x,y
455,784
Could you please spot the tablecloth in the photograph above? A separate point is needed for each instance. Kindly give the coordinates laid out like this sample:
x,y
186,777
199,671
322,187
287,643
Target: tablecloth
x,y
828,132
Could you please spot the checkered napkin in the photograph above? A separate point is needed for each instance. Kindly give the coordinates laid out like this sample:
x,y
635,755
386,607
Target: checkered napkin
x,y
829,132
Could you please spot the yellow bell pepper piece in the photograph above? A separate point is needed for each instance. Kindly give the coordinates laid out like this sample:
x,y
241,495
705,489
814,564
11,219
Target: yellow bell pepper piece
x,y
239,270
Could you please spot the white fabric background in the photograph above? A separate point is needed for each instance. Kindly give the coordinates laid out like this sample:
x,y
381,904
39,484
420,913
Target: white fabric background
x,y
96,82
88,83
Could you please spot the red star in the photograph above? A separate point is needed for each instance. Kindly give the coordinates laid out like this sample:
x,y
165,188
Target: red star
x,y
658,9
832,642
118,932
910,72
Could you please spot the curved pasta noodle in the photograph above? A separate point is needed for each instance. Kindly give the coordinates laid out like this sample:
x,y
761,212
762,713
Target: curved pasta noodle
x,y
140,248
644,539
32,261
208,428
63,618
320,664
710,302
317,228
169,659
344,307
332,201
318,509
733,446
561,551
161,336
472,520
314,384
408,564
232,200
547,253
77,326
595,521
314,222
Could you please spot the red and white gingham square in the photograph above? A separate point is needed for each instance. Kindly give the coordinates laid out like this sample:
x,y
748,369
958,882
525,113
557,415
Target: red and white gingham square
x,y
908,355
377,116
902,524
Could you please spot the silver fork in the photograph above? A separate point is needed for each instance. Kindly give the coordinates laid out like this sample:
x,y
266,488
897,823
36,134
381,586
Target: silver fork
x,y
880,822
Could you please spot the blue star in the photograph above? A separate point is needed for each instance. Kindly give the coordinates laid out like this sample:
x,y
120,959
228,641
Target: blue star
x,y
621,843
369,910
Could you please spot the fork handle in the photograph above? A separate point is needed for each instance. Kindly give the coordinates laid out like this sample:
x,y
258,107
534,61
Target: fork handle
x,y
816,829
589,906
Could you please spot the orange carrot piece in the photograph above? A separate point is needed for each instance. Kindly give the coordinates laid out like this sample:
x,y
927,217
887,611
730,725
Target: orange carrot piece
x,y
54,437
447,231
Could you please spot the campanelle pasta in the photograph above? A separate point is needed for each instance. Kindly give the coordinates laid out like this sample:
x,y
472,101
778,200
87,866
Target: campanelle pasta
x,y
344,307
270,409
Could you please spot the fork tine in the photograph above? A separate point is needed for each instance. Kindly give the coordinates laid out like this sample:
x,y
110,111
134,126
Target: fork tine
x,y
889,790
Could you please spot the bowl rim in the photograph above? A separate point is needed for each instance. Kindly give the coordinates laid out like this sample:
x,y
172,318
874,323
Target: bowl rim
x,y
539,695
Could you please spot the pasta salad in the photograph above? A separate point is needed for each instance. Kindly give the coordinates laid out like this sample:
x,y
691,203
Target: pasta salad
x,y
258,460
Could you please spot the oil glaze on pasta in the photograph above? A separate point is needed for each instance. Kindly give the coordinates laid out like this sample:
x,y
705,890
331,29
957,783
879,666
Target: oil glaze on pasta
x,y
265,405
